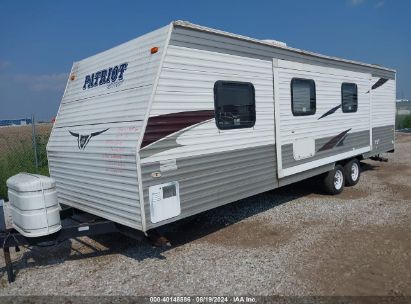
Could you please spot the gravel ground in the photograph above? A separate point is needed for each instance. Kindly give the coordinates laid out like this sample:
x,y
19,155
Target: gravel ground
x,y
291,241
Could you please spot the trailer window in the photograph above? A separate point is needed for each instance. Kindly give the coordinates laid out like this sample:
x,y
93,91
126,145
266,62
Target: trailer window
x,y
303,99
349,97
234,104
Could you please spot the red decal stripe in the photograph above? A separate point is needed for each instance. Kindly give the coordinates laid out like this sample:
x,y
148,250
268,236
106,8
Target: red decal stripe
x,y
334,141
161,126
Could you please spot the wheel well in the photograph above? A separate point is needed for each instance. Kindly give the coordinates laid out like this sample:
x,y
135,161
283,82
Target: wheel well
x,y
344,161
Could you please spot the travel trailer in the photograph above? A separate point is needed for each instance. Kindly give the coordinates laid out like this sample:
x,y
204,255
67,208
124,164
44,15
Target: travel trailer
x,y
188,118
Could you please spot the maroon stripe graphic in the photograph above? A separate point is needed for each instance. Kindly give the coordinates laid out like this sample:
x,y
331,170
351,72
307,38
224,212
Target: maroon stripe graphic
x,y
330,112
161,126
379,83
334,141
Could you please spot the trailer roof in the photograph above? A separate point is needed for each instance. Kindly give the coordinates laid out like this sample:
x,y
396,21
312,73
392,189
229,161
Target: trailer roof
x,y
189,25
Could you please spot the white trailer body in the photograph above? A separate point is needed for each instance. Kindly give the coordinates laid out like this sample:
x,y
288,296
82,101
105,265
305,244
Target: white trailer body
x,y
143,136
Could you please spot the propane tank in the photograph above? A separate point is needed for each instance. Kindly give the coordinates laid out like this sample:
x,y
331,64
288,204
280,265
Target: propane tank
x,y
34,207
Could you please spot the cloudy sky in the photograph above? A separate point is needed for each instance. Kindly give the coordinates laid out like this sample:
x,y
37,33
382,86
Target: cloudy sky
x,y
39,40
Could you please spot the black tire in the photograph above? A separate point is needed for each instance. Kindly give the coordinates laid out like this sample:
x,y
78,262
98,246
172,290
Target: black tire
x,y
334,180
352,172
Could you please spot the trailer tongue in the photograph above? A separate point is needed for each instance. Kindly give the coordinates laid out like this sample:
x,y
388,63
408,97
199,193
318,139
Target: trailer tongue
x,y
38,220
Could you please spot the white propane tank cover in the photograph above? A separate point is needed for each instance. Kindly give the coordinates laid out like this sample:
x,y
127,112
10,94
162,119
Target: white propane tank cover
x,y
24,182
34,206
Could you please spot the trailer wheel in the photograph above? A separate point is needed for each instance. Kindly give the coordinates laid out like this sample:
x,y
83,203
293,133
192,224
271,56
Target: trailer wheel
x,y
352,172
334,180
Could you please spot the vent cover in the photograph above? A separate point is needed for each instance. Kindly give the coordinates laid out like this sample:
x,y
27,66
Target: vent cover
x,y
169,191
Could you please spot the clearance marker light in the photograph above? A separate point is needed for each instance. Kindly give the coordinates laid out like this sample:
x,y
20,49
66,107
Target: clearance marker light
x,y
154,50
72,77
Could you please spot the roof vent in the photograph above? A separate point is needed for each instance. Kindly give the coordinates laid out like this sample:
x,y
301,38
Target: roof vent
x,y
275,42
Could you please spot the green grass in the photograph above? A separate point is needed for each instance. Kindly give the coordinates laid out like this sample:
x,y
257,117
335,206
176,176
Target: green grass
x,y
403,121
20,158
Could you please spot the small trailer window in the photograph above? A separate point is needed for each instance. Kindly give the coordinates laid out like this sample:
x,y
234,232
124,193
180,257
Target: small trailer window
x,y
349,97
303,99
234,104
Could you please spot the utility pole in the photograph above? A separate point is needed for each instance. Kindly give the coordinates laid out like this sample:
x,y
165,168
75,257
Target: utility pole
x,y
34,141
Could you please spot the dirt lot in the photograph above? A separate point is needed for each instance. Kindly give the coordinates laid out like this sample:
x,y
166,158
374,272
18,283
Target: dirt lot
x,y
291,241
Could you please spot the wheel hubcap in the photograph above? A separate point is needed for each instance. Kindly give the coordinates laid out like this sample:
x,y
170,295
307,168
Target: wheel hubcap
x,y
338,179
355,171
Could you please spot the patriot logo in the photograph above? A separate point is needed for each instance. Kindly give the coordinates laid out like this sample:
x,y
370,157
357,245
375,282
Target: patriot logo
x,y
83,140
112,76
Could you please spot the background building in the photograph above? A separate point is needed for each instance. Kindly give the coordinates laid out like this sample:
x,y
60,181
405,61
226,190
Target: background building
x,y
15,122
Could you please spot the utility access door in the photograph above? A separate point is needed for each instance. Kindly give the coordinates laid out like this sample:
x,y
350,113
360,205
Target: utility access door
x,y
322,115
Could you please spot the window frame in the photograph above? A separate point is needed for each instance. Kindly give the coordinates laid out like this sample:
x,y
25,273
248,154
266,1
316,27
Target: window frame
x,y
342,97
215,89
312,112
